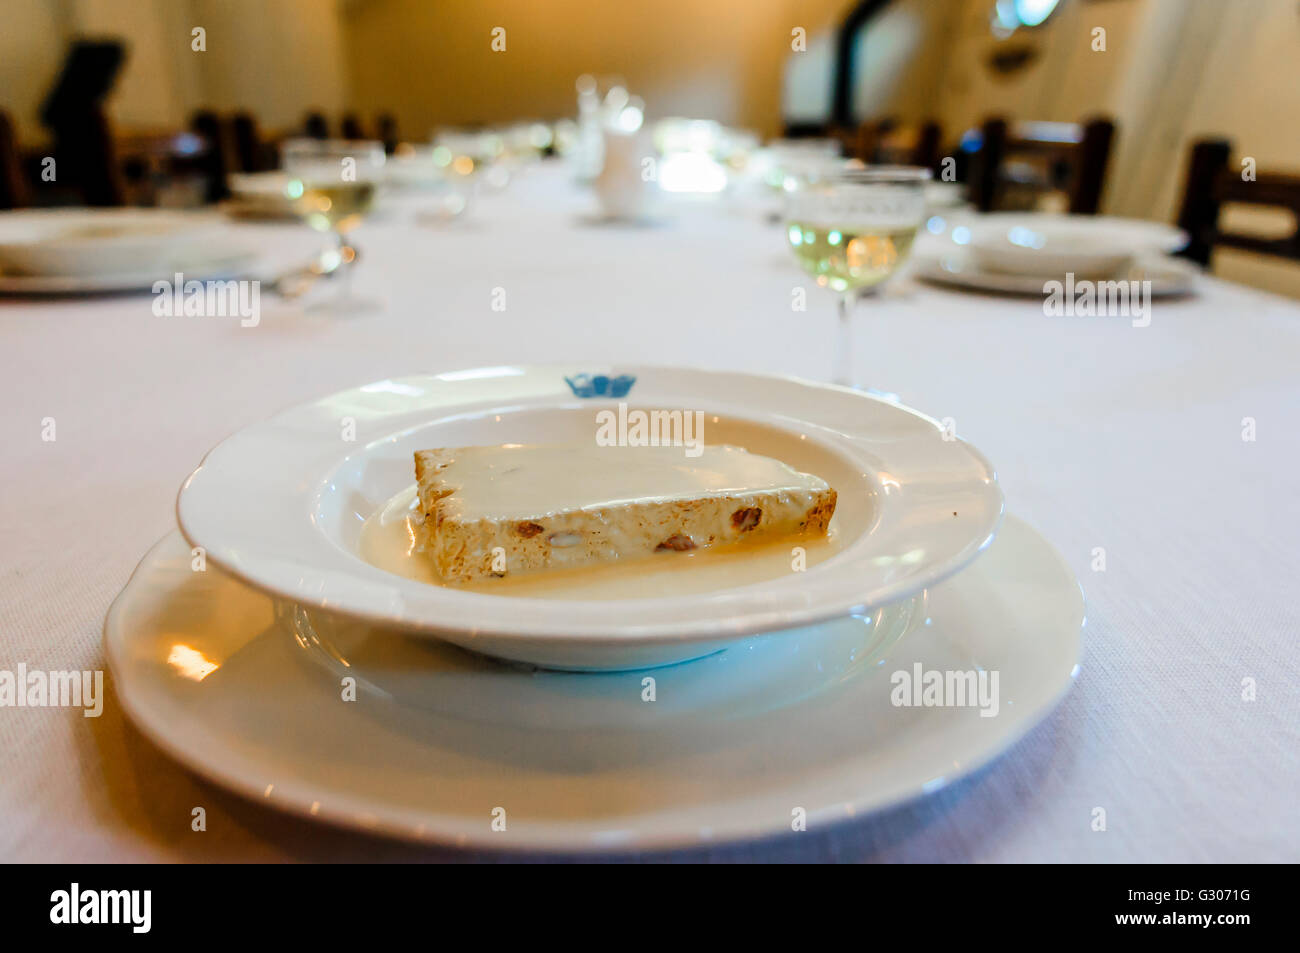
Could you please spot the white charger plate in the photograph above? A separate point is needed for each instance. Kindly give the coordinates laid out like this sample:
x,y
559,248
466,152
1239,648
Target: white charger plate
x,y
99,242
438,739
225,263
956,267
283,505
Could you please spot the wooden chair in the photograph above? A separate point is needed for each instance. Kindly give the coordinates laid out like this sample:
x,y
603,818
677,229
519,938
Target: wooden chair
x,y
386,128
884,141
807,130
13,183
315,126
217,158
352,129
929,144
168,166
870,137
252,152
1065,156
1212,181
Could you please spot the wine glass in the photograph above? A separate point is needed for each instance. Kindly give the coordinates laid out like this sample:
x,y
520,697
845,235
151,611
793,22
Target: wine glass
x,y
332,185
851,228
783,158
473,160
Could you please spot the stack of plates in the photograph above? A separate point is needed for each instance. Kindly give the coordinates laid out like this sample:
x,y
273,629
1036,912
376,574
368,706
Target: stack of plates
x,y
260,196
89,251
286,642
1017,253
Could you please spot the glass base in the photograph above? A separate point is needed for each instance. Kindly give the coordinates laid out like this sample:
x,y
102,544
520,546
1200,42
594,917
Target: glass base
x,y
344,306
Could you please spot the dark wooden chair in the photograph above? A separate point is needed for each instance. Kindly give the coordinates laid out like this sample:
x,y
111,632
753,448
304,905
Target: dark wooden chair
x,y
14,192
352,129
870,137
217,157
1033,156
885,141
252,152
926,152
315,126
169,166
1211,182
807,130
386,128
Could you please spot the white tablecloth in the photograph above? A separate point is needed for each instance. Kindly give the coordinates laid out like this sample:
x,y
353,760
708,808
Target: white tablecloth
x,y
1104,435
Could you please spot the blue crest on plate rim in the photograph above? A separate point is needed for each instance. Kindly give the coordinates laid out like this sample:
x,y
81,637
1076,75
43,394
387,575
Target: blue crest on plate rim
x,y
600,385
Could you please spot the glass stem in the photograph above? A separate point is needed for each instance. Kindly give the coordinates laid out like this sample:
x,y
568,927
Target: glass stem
x,y
844,345
345,284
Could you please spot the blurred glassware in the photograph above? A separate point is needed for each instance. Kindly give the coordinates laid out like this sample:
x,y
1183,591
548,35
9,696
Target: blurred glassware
x,y
565,136
333,183
692,155
597,111
692,173
526,142
737,147
434,195
473,157
412,167
782,158
851,228
676,134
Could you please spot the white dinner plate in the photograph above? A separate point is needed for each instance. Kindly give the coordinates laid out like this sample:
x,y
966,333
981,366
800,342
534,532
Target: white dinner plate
x,y
439,743
1168,276
99,242
310,505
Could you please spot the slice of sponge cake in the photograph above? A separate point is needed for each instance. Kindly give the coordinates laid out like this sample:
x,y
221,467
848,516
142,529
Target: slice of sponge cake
x,y
518,508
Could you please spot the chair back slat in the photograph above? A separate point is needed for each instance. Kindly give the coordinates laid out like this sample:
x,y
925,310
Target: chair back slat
x,y
1077,155
1211,182
13,184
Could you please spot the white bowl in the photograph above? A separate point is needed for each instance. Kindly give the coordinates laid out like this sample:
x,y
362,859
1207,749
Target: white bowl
x,y
1049,246
86,242
294,507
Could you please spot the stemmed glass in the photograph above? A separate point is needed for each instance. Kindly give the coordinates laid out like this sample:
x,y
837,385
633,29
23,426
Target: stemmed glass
x,y
851,228
332,184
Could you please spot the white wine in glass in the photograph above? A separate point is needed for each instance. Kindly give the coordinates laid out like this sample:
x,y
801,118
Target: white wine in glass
x,y
332,184
851,229
335,207
850,257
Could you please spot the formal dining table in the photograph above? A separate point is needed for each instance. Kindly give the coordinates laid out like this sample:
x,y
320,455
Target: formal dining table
x,y
1163,461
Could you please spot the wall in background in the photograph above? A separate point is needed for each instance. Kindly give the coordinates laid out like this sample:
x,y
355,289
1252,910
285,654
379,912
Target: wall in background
x,y
31,50
273,57
432,63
